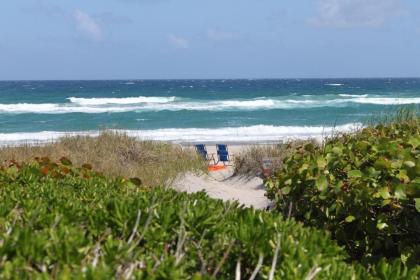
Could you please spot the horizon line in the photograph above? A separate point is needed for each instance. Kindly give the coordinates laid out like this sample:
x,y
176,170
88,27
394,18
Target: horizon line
x,y
204,79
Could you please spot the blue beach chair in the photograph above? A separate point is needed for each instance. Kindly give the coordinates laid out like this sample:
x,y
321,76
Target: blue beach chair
x,y
202,151
222,153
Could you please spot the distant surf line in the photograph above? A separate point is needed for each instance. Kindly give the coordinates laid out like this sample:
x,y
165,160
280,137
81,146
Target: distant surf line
x,y
156,104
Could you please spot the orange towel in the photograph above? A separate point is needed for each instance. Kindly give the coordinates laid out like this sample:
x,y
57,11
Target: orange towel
x,y
216,167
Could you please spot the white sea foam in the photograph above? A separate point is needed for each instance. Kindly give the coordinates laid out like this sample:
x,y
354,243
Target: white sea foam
x,y
387,100
50,108
353,95
156,104
255,133
27,107
123,101
334,85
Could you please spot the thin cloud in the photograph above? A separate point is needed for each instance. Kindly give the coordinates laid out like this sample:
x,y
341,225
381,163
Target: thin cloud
x,y
355,13
111,18
178,42
219,35
45,8
86,24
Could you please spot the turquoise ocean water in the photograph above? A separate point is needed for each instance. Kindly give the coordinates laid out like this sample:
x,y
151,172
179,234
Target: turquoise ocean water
x,y
197,110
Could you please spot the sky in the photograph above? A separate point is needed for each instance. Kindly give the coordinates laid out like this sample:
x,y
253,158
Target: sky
x,y
190,39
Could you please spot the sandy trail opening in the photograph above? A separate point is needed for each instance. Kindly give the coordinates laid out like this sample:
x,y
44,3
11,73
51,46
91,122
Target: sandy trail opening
x,y
223,185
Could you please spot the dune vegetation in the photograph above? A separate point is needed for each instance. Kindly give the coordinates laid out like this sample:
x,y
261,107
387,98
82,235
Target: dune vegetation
x,y
115,154
98,208
248,162
364,188
64,222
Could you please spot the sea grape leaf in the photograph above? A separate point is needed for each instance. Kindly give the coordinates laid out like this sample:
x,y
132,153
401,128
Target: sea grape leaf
x,y
381,226
385,202
417,202
350,219
355,174
384,193
400,192
136,181
285,190
382,164
65,161
303,168
321,162
414,141
362,146
337,150
402,175
396,164
409,163
309,147
322,183
12,171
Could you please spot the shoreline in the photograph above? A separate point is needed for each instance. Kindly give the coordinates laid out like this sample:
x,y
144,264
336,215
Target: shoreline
x,y
211,145
250,135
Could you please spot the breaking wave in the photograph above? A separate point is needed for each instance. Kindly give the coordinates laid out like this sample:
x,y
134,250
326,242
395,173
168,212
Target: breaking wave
x,y
155,104
256,133
125,100
353,95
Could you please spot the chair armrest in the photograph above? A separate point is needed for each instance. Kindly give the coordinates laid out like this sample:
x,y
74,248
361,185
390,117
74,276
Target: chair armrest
x,y
211,157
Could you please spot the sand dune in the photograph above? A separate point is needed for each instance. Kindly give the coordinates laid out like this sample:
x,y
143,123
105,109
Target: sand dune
x,y
223,185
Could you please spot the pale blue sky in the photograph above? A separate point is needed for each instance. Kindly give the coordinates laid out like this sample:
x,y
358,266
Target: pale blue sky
x,y
126,39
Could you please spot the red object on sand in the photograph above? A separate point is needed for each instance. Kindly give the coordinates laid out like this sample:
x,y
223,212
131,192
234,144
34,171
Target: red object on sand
x,y
266,166
216,167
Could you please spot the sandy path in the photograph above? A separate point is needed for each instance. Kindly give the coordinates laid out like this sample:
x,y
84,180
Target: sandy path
x,y
221,185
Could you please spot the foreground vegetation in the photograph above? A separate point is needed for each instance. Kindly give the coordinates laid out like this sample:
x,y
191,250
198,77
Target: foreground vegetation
x,y
115,154
349,209
364,188
64,222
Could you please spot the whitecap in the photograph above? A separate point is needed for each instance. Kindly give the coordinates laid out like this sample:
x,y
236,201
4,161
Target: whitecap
x,y
387,100
334,85
256,133
156,104
123,100
353,95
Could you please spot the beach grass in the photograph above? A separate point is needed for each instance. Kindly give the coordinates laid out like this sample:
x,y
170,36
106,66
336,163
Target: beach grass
x,y
248,162
115,154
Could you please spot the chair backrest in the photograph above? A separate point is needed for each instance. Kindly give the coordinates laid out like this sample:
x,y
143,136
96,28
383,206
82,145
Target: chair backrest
x,y
201,149
222,148
222,152
223,156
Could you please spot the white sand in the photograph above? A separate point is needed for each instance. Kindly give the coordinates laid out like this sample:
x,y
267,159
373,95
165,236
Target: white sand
x,y
222,185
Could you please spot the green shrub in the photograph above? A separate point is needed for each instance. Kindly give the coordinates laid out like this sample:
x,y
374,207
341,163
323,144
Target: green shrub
x,y
58,221
364,188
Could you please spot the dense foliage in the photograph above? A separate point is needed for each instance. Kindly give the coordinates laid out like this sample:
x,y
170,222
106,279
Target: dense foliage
x,y
364,188
58,221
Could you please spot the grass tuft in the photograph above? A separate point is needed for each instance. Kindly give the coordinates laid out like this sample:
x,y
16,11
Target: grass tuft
x,y
115,154
248,162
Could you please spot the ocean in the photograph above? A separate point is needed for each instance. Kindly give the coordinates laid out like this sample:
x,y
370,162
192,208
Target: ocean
x,y
198,110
